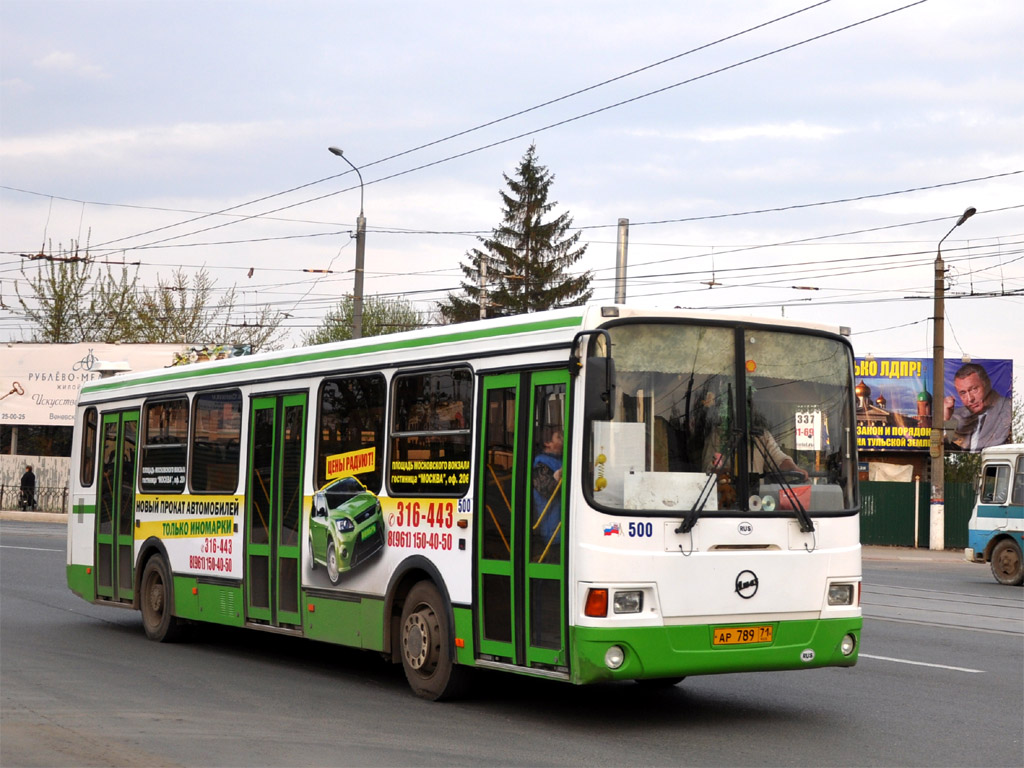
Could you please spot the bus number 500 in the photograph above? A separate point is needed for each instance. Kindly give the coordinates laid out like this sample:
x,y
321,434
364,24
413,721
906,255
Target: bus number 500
x,y
641,530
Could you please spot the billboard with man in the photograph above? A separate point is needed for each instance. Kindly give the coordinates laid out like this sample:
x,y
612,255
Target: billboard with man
x,y
895,403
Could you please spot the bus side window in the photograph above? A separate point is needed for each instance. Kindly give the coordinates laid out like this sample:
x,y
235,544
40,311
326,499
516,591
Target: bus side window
x,y
1017,497
87,469
215,442
351,424
996,486
164,446
430,435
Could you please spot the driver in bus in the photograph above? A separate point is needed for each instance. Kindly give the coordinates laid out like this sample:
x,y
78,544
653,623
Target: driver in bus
x,y
762,442
784,462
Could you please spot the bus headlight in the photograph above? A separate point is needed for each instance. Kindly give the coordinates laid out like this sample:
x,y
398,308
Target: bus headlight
x,y
840,594
847,645
628,602
614,657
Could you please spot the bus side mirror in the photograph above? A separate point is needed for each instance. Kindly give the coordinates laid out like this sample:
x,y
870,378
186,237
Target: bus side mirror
x,y
600,388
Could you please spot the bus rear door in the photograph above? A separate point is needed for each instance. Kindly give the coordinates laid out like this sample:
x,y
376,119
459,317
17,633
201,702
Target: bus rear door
x,y
115,521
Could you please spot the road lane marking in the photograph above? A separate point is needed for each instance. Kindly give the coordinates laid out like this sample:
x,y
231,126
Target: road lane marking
x,y
34,549
948,626
923,664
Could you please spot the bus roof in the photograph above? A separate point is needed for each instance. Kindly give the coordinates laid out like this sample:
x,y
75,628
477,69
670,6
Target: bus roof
x,y
1002,451
553,327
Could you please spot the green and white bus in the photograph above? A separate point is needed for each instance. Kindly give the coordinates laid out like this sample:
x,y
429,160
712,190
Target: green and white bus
x,y
588,494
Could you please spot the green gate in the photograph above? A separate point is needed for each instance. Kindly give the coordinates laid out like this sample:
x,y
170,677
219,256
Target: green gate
x,y
887,514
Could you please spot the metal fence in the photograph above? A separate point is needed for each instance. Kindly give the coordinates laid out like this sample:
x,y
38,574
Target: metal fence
x,y
47,498
887,514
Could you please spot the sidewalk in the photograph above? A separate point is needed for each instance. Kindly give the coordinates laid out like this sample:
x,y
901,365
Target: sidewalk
x,y
868,553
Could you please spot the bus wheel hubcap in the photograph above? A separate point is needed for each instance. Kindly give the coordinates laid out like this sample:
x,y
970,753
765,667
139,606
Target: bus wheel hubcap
x,y
417,641
156,596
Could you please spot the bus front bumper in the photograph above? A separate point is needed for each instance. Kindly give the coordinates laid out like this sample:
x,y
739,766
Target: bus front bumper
x,y
681,651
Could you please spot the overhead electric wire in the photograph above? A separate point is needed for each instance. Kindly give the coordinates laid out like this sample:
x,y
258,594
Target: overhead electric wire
x,y
797,206
435,142
500,142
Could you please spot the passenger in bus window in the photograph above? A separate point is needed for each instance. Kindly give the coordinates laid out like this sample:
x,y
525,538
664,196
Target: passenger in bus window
x,y
985,416
547,482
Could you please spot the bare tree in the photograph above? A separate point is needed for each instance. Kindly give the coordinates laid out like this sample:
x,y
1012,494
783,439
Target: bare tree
x,y
68,301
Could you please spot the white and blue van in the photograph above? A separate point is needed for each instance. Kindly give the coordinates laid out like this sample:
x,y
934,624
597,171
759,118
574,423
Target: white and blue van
x,y
995,530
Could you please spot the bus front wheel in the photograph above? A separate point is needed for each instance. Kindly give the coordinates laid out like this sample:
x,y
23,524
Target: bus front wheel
x,y
155,601
426,645
1007,565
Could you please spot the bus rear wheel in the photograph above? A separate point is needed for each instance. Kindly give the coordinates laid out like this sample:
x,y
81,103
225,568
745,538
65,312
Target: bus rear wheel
x,y
426,645
1007,565
155,602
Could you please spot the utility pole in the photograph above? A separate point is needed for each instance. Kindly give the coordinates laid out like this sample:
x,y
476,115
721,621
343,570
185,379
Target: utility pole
x,y
937,510
621,252
357,286
483,286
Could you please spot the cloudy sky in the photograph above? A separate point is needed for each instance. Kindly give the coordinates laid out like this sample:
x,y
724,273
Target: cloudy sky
x,y
804,158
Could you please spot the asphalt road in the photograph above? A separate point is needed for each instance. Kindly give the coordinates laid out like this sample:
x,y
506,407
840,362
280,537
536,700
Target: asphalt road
x,y
940,683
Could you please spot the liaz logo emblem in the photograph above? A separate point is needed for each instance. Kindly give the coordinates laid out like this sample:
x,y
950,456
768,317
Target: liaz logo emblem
x,y
746,584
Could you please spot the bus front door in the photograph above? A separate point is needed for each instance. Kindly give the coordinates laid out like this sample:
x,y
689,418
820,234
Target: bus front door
x,y
273,509
115,518
521,503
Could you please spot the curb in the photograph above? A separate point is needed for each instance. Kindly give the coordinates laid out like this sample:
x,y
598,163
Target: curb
x,y
34,517
910,555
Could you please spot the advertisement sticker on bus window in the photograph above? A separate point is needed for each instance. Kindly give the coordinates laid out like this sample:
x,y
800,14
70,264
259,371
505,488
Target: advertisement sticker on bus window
x,y
351,463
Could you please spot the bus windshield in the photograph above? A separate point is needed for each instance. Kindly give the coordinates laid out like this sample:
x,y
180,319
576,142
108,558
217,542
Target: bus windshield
x,y
723,418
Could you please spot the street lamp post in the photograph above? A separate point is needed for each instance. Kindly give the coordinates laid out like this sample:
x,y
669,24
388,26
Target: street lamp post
x,y
937,521
357,288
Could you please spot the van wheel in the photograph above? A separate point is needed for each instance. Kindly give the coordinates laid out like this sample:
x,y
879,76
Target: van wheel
x,y
426,646
1007,566
156,603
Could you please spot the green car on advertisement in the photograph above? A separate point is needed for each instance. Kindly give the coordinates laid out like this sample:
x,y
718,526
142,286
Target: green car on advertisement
x,y
346,527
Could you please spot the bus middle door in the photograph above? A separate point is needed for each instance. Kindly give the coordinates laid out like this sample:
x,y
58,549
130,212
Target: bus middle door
x,y
273,508
521,502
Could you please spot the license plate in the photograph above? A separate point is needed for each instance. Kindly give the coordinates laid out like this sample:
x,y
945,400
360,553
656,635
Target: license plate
x,y
368,532
742,635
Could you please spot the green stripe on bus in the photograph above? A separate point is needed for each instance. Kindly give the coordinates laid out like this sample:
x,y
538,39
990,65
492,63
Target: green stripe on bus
x,y
254,364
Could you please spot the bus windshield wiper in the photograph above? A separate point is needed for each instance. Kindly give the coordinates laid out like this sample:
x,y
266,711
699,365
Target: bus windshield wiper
x,y
719,461
806,524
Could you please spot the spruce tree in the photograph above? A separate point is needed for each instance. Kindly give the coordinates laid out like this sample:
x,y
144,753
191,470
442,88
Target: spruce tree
x,y
526,259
